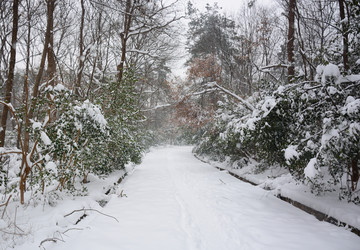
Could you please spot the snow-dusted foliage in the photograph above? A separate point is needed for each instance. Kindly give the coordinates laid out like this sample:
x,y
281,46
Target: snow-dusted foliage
x,y
73,139
311,129
69,139
125,120
67,144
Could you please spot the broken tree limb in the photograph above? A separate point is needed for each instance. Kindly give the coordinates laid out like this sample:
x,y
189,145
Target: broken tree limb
x,y
52,240
275,66
56,239
228,92
90,209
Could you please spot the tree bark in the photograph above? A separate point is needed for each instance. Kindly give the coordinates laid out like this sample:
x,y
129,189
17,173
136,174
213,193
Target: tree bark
x,y
344,25
49,31
30,113
81,51
51,70
95,60
27,60
10,80
355,175
124,36
291,38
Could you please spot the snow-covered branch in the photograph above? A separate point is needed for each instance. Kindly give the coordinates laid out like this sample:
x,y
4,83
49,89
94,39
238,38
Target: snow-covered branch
x,y
228,92
157,107
204,91
275,66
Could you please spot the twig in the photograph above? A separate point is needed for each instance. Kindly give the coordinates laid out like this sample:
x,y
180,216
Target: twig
x,y
11,152
67,230
122,194
5,204
90,209
222,181
51,239
15,226
12,233
55,239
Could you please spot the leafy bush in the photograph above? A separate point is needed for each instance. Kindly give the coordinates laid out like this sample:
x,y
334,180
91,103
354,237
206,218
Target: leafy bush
x,y
69,145
310,128
125,122
69,139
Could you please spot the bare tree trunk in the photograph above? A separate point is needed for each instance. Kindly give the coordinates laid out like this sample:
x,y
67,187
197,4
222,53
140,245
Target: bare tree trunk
x,y
301,45
95,60
50,53
291,38
81,49
27,60
30,112
124,37
344,35
354,172
10,80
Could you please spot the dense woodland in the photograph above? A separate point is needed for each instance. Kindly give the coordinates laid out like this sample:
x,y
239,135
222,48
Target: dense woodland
x,y
87,88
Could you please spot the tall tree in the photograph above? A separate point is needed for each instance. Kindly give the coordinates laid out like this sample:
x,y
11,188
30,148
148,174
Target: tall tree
x,y
142,17
81,50
10,79
345,36
291,39
30,113
5,32
213,34
51,70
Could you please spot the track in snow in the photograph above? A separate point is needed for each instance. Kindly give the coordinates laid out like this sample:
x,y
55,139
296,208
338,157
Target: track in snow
x,y
176,202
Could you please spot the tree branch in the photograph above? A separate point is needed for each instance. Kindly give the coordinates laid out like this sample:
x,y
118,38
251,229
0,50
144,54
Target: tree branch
x,y
246,104
90,209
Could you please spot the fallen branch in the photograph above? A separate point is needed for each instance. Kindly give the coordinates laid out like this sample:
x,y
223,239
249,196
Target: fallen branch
x,y
90,209
222,181
67,230
55,239
122,194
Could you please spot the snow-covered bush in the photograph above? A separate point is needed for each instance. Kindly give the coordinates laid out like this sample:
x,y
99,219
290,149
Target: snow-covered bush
x,y
226,136
310,128
69,144
67,141
124,118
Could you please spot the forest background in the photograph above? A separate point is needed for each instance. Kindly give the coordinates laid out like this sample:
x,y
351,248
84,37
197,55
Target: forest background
x,y
87,88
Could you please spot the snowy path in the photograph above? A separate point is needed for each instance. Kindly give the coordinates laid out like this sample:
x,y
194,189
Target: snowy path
x,y
176,202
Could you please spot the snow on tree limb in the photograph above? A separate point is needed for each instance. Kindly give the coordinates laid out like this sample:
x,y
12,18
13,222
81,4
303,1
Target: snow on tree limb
x,y
157,107
228,92
275,66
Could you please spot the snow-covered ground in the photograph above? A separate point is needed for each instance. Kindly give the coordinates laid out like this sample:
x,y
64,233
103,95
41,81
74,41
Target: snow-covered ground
x,y
174,201
280,182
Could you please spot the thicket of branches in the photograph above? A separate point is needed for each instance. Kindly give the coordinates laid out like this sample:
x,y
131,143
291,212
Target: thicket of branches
x,y
283,87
